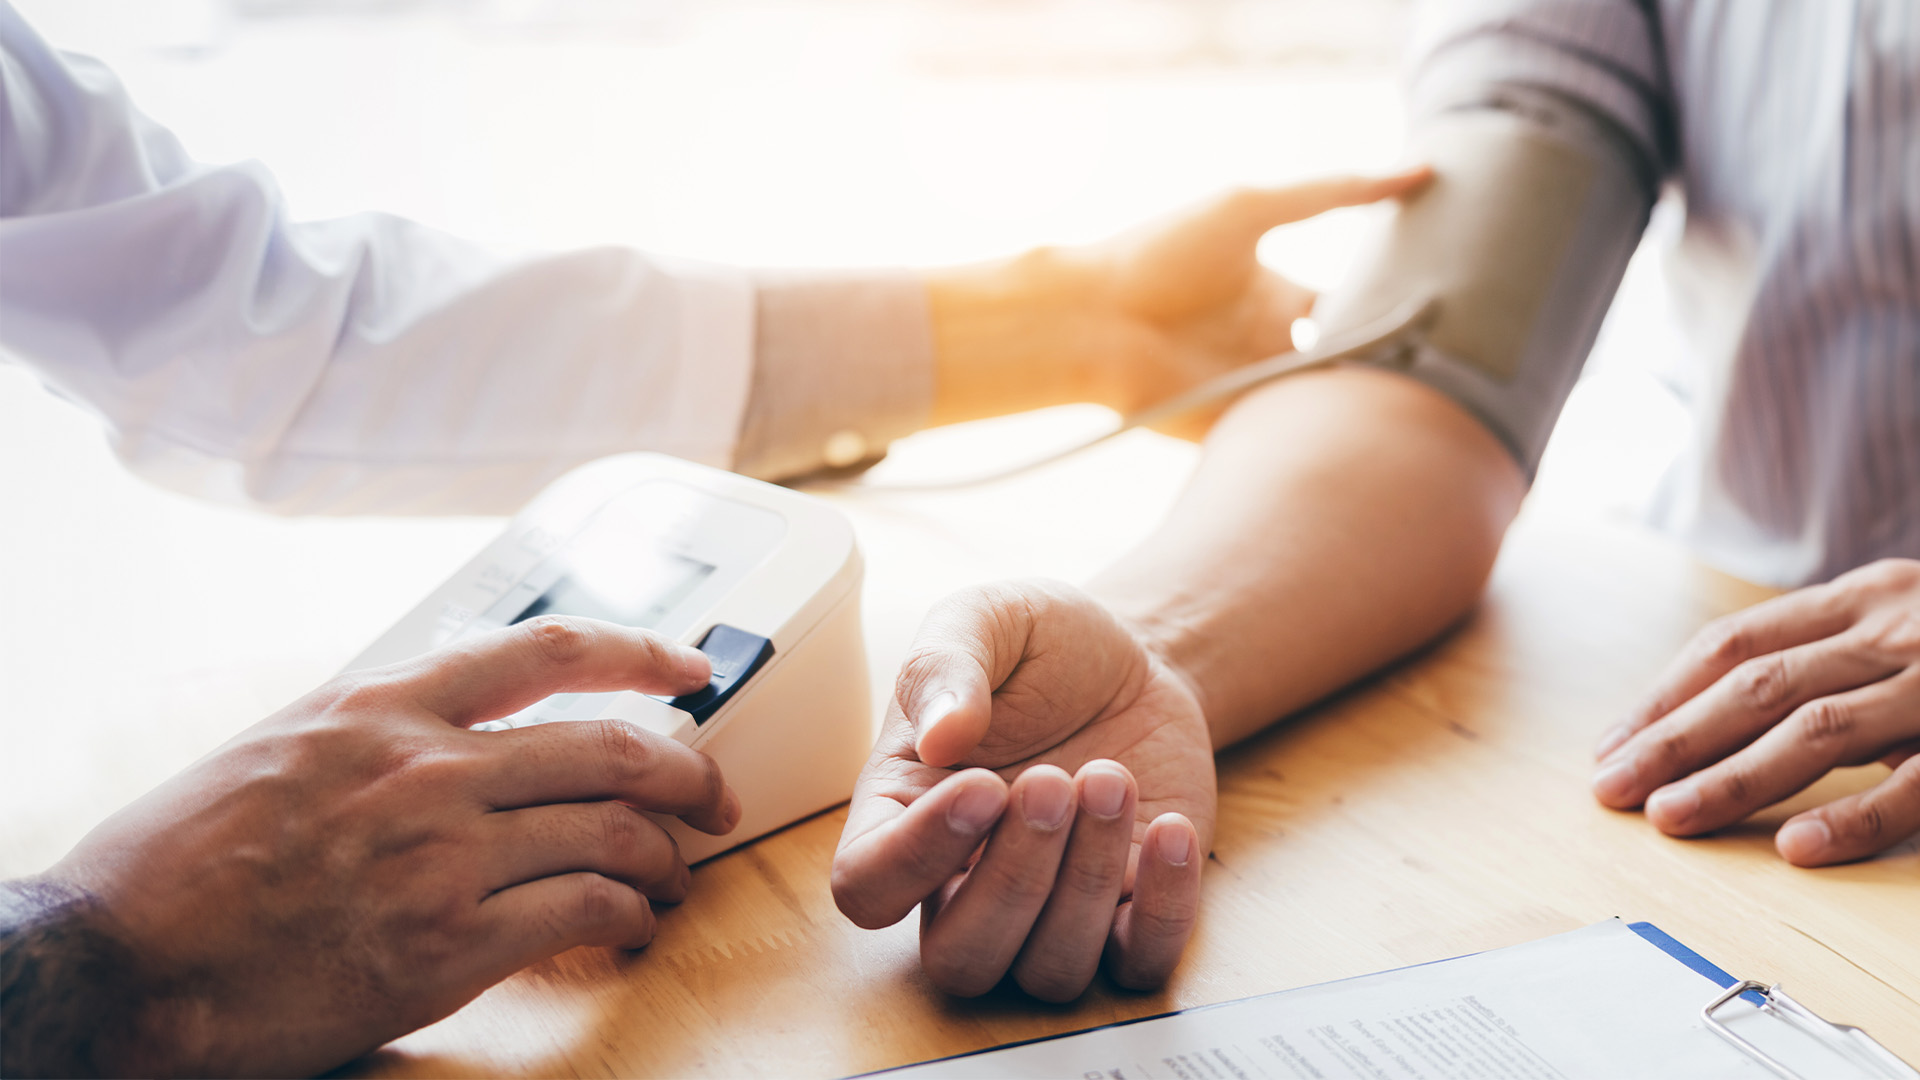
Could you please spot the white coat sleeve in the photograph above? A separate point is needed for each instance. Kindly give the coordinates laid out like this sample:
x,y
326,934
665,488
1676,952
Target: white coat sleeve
x,y
366,364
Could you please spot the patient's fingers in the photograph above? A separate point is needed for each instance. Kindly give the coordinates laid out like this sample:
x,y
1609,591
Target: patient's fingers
x,y
1742,706
1858,825
972,937
1843,729
1799,617
1152,929
968,645
1062,953
881,873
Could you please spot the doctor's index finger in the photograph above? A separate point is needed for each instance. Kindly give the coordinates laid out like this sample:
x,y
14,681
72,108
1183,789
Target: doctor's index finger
x,y
499,673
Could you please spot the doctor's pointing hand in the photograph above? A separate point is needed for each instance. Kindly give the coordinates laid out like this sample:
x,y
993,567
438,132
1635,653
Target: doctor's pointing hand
x,y
360,864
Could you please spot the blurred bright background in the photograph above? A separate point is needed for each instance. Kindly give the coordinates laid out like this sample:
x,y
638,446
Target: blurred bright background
x,y
766,132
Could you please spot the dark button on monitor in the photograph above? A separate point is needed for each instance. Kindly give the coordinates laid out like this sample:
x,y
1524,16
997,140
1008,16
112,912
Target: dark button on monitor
x,y
736,655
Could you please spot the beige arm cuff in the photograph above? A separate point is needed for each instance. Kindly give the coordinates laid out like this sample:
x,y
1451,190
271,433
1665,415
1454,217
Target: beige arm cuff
x,y
843,365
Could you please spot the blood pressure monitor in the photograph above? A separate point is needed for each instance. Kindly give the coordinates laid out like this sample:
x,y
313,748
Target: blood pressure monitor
x,y
766,581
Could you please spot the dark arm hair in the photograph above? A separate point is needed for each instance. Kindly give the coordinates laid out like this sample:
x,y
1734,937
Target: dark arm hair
x,y
70,991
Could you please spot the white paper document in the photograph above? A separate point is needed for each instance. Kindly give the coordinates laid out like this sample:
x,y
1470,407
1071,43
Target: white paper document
x,y
1607,1001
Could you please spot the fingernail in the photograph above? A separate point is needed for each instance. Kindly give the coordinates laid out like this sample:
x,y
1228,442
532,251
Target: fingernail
x,y
1804,841
976,809
694,665
734,809
1615,782
1615,735
1103,793
1675,804
1045,803
1175,846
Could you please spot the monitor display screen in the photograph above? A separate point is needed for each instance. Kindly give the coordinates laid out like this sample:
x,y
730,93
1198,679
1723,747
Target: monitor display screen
x,y
633,589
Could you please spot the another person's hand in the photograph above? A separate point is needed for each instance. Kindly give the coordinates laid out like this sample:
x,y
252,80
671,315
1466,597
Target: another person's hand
x,y
1764,702
360,864
1043,788
1133,320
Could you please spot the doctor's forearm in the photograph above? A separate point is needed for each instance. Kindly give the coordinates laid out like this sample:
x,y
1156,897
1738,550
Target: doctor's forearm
x,y
842,365
1336,522
847,361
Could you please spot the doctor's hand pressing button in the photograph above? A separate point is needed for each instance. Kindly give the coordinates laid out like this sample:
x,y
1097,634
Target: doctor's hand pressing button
x,y
1043,789
1766,701
361,864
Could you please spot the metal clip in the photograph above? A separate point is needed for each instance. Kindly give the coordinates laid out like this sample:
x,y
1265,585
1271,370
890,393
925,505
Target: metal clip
x,y
1843,1039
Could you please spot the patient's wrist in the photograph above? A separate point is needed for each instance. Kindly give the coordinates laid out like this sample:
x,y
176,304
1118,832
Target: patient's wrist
x,y
1171,644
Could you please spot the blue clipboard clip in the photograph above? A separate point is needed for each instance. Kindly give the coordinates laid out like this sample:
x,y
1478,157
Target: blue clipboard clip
x,y
1844,1039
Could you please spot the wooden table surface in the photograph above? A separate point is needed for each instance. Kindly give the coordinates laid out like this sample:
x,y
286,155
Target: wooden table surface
x,y
1440,809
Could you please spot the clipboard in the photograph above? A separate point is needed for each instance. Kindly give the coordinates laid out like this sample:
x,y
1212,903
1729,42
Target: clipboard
x,y
1591,1002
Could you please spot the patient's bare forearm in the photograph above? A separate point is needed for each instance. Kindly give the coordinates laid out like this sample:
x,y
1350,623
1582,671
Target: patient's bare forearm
x,y
1337,521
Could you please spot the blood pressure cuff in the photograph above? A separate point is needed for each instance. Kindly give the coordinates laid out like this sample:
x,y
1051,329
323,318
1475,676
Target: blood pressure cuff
x,y
1523,236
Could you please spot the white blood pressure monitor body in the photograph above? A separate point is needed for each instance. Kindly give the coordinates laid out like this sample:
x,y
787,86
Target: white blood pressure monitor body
x,y
766,580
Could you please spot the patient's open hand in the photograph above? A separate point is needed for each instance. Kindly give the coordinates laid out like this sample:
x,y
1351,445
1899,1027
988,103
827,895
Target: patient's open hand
x,y
360,864
1044,789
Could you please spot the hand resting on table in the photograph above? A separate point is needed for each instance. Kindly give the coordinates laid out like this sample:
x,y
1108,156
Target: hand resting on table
x,y
1766,701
